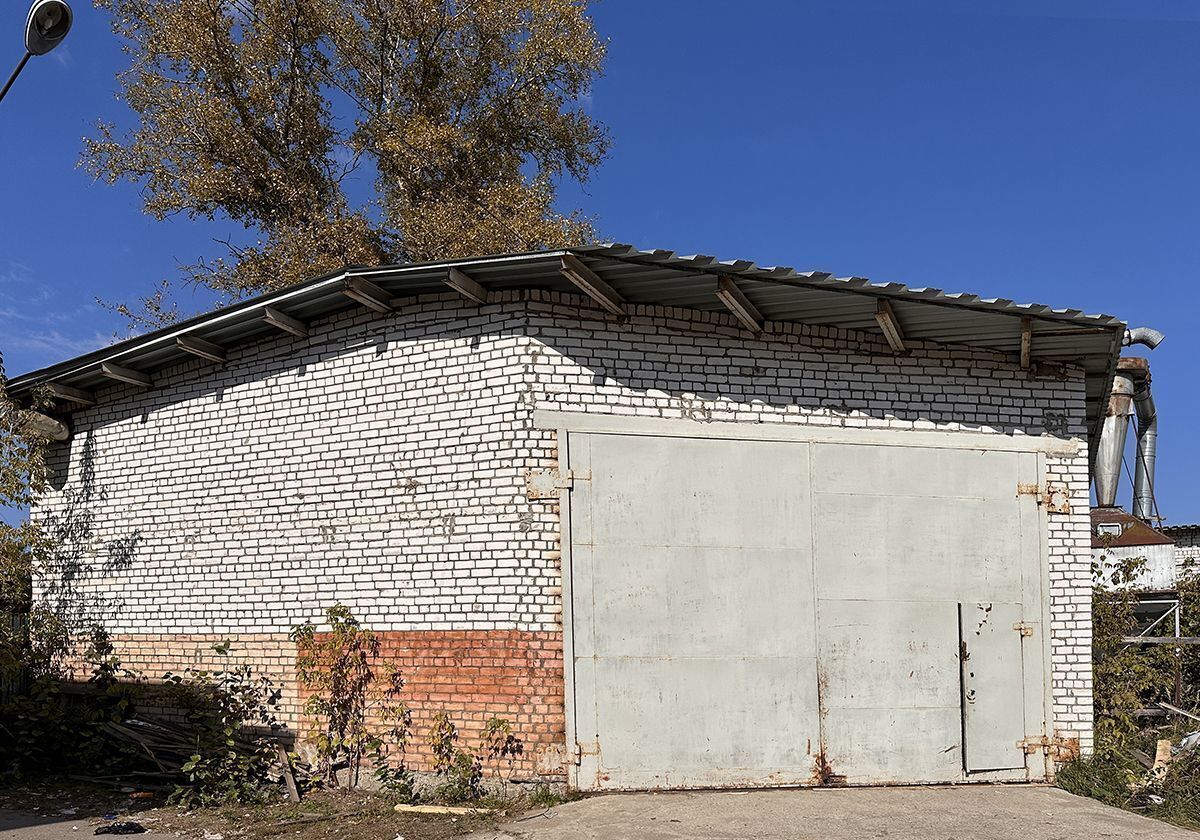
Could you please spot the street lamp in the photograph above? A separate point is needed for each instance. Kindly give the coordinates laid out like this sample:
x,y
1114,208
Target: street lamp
x,y
48,23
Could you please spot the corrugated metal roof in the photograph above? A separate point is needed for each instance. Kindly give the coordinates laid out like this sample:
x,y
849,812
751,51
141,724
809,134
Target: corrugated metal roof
x,y
652,277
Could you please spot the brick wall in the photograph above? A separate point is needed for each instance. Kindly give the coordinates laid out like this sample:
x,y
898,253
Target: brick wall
x,y
380,463
1187,549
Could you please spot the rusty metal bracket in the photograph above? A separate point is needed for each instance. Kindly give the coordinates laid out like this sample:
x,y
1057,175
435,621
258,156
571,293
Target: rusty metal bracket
x,y
1055,497
1033,743
1024,628
580,751
545,484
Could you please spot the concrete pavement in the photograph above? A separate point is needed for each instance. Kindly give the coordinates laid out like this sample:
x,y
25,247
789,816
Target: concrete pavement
x,y
18,825
968,812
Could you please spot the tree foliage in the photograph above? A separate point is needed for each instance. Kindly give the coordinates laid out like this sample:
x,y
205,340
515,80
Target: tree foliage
x,y
464,114
22,476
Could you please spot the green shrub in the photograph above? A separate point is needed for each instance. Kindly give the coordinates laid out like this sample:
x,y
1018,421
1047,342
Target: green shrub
x,y
231,717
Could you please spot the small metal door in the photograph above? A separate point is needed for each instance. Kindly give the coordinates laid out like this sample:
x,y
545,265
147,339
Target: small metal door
x,y
993,679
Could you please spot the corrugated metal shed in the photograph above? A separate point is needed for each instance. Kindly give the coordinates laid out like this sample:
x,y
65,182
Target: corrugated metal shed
x,y
654,277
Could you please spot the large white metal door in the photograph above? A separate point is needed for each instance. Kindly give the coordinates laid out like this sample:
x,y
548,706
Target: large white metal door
x,y
693,631
903,536
757,612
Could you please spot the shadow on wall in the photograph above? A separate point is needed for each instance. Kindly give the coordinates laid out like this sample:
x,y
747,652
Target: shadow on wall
x,y
701,373
69,559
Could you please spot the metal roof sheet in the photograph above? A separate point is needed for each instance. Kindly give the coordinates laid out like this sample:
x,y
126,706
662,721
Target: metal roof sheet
x,y
1133,531
652,277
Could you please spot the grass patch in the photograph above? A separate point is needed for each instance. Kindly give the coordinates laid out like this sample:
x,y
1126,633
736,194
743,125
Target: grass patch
x,y
1123,782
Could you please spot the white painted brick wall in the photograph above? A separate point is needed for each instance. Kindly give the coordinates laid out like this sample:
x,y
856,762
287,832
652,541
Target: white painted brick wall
x,y
380,463
1187,551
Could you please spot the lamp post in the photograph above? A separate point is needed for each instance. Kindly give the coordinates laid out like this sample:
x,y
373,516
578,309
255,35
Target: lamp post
x,y
48,23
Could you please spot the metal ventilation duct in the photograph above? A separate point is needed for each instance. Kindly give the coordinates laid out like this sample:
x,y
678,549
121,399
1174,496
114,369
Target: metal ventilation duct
x,y
1147,450
1112,440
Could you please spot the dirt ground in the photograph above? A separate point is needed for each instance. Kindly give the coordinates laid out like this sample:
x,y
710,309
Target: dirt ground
x,y
46,812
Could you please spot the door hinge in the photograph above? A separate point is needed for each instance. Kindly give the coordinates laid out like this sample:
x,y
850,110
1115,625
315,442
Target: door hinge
x,y
1032,743
579,751
1024,628
1056,498
545,484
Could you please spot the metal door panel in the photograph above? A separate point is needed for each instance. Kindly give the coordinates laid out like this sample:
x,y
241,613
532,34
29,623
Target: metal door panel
x,y
886,746
683,602
896,547
914,471
993,686
699,492
692,605
699,721
890,695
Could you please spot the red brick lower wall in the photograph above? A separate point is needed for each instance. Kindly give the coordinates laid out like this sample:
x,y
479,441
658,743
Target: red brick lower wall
x,y
471,675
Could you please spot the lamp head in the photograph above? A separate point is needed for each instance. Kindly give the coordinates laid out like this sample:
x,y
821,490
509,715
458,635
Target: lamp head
x,y
49,22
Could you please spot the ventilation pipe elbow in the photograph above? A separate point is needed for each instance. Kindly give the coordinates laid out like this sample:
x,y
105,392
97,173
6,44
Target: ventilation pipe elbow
x,y
1142,335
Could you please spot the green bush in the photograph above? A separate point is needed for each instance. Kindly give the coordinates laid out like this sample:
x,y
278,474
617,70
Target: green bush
x,y
231,717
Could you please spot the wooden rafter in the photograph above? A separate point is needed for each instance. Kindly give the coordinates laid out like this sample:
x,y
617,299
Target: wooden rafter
x,y
287,323
127,375
737,303
201,347
885,316
368,294
591,285
466,287
68,393
1026,342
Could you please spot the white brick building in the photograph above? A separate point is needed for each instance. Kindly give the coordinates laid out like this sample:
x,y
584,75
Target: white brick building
x,y
684,522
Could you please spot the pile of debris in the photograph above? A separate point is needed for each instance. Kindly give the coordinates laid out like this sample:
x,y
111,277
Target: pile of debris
x,y
1165,753
168,746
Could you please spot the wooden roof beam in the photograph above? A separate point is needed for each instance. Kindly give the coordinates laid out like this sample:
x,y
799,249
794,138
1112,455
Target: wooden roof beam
x,y
67,393
1026,342
368,294
127,375
591,285
886,318
465,286
285,322
737,303
200,347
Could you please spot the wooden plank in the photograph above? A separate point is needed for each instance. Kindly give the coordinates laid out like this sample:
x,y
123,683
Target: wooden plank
x,y
886,318
737,303
368,294
126,375
466,287
201,347
1026,342
1179,711
1161,640
591,285
285,322
67,393
286,764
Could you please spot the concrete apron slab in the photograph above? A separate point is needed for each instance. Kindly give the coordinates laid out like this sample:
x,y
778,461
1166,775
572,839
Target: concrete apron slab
x,y
978,812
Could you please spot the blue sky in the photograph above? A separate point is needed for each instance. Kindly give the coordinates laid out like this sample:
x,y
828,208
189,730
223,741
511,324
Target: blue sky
x,y
1044,151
